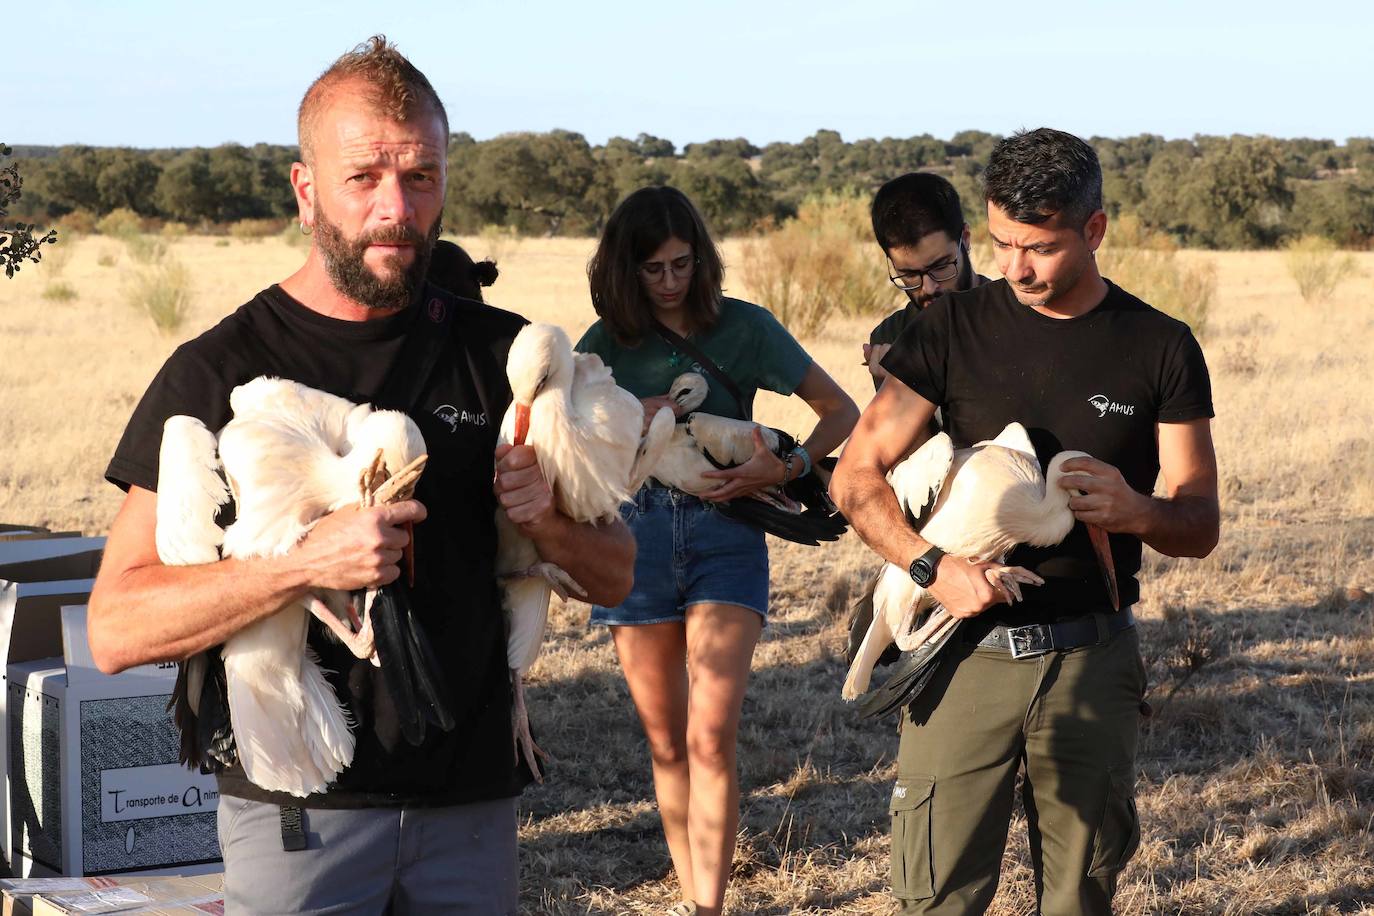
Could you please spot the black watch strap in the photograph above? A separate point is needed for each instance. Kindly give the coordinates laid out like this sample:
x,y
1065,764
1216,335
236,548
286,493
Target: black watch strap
x,y
922,569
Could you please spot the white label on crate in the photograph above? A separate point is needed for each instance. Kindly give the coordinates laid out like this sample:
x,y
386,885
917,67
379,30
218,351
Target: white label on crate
x,y
102,901
163,790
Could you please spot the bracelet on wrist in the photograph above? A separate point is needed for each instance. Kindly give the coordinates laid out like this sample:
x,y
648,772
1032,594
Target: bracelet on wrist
x,y
787,468
801,451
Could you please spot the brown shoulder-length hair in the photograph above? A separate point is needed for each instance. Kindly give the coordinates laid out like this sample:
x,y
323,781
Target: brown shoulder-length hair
x,y
639,227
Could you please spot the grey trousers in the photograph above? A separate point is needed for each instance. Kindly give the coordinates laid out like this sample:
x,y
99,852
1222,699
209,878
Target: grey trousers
x,y
371,861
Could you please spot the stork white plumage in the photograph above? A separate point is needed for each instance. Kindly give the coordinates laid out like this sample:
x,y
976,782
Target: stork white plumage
x,y
291,455
800,511
988,499
586,434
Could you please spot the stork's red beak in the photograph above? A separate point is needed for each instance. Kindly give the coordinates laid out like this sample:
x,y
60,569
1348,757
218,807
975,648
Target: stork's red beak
x,y
522,423
1103,548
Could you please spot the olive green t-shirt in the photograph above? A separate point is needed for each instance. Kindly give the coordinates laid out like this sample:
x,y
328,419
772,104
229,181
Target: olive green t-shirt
x,y
748,343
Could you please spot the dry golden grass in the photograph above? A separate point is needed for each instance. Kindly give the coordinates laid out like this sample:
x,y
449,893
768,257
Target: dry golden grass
x,y
1256,774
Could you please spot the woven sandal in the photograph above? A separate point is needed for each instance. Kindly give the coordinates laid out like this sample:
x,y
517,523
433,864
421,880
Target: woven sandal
x,y
685,908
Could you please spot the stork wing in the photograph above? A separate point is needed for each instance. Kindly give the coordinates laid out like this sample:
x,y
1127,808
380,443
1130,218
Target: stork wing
x,y
727,441
190,493
917,481
1014,437
651,448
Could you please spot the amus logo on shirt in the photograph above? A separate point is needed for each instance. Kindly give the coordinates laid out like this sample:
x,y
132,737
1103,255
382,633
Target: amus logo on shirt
x,y
1106,405
453,417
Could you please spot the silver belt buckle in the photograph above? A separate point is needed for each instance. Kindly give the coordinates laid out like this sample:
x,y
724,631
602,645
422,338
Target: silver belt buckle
x,y
1029,641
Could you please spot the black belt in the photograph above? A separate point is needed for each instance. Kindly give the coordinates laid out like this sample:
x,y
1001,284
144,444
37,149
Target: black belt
x,y
1039,638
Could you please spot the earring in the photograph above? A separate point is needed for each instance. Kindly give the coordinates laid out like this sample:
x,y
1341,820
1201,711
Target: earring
x,y
306,228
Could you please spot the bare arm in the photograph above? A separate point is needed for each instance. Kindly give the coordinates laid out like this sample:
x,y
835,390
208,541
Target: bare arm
x,y
599,557
142,611
836,415
1185,521
892,426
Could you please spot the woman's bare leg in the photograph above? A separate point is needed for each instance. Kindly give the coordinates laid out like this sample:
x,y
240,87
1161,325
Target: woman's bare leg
x,y
720,648
653,657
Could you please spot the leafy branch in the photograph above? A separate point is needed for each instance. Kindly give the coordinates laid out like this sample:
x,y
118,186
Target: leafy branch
x,y
18,243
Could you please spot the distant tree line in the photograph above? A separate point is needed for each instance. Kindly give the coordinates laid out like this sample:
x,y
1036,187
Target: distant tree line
x,y
1210,192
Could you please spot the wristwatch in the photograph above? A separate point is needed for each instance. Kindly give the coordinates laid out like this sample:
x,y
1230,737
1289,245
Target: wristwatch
x,y
923,568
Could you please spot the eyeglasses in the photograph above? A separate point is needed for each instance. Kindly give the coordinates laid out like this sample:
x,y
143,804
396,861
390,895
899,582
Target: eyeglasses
x,y
940,273
682,268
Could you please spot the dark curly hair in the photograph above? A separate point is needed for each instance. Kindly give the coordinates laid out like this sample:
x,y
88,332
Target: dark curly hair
x,y
1033,175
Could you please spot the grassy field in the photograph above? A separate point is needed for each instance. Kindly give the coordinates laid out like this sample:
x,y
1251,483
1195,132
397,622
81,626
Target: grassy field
x,y
1256,776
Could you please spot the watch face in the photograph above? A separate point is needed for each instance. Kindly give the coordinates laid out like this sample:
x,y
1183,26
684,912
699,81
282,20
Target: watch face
x,y
921,572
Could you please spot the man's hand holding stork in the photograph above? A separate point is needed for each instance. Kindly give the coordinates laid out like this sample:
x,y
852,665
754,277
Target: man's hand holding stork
x,y
355,547
1184,522
599,557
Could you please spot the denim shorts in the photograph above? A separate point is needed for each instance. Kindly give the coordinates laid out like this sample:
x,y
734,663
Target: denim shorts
x,y
688,553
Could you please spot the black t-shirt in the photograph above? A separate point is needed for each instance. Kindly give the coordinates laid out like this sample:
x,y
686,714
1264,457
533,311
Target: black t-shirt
x,y
458,410
1098,383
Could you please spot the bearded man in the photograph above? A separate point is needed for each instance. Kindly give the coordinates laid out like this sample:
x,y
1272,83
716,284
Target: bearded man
x,y
918,221
404,829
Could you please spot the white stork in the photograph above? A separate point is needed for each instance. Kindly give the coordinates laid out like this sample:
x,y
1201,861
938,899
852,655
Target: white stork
x,y
291,455
799,511
586,434
987,499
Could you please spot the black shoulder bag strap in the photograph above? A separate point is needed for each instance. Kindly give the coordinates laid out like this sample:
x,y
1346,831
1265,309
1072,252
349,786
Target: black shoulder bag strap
x,y
420,352
674,339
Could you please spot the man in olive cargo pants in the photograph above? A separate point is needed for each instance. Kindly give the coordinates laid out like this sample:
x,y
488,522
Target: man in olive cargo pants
x,y
1052,685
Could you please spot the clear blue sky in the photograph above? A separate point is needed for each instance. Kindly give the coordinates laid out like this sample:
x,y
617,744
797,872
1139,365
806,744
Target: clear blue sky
x,y
191,74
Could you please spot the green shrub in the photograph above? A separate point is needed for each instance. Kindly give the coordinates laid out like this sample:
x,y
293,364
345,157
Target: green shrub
x,y
77,222
498,242
1317,267
1146,264
822,264
162,291
55,260
59,291
174,230
292,236
120,223
145,249
254,230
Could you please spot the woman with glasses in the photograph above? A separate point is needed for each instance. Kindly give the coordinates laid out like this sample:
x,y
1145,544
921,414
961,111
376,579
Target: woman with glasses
x,y
686,634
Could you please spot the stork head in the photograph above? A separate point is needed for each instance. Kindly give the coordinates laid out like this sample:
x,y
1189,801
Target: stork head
x,y
540,359
689,390
1098,536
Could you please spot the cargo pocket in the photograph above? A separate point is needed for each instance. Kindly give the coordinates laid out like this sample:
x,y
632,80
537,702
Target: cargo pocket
x,y
1118,835
912,870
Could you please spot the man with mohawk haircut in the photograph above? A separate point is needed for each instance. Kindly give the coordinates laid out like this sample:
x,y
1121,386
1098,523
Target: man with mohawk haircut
x,y
405,828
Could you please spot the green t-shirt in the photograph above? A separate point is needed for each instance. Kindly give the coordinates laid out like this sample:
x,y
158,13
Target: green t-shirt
x,y
747,342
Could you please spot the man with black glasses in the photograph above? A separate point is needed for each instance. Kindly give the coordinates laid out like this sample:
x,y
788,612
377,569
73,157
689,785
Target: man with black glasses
x,y
919,224
1052,686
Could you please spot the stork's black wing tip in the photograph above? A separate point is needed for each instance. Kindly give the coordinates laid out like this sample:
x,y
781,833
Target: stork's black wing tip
x,y
410,668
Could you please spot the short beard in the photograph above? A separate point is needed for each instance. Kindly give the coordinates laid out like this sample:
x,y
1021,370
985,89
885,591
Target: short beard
x,y
962,283
343,262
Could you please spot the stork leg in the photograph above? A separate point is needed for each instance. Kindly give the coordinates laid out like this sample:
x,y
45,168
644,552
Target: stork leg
x,y
1010,579
360,643
562,584
520,727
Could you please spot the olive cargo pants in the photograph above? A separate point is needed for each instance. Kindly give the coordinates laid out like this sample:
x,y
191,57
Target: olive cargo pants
x,y
1070,718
